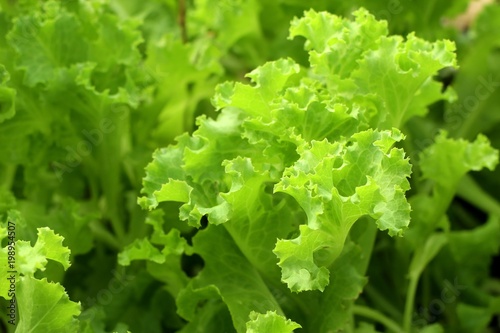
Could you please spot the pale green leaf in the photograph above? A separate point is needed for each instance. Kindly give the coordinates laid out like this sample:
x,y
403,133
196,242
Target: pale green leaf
x,y
270,322
45,307
48,246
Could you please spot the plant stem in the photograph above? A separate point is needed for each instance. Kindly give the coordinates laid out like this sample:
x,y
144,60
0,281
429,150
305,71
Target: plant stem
x,y
384,304
7,176
182,20
377,316
467,130
104,235
410,300
469,190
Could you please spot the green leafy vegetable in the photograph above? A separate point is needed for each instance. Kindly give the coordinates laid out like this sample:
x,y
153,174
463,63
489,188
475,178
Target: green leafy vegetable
x,y
323,141
342,179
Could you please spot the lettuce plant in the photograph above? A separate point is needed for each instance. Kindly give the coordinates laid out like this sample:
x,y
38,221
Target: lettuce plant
x,y
324,191
295,176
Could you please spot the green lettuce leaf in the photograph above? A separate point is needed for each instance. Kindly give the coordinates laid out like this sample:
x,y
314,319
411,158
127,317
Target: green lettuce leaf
x,y
162,251
295,157
226,275
270,322
26,259
45,307
338,298
374,64
48,246
336,184
444,164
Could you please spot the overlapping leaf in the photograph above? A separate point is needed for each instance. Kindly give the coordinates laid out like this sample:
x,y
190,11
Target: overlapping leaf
x,y
358,58
336,184
323,138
